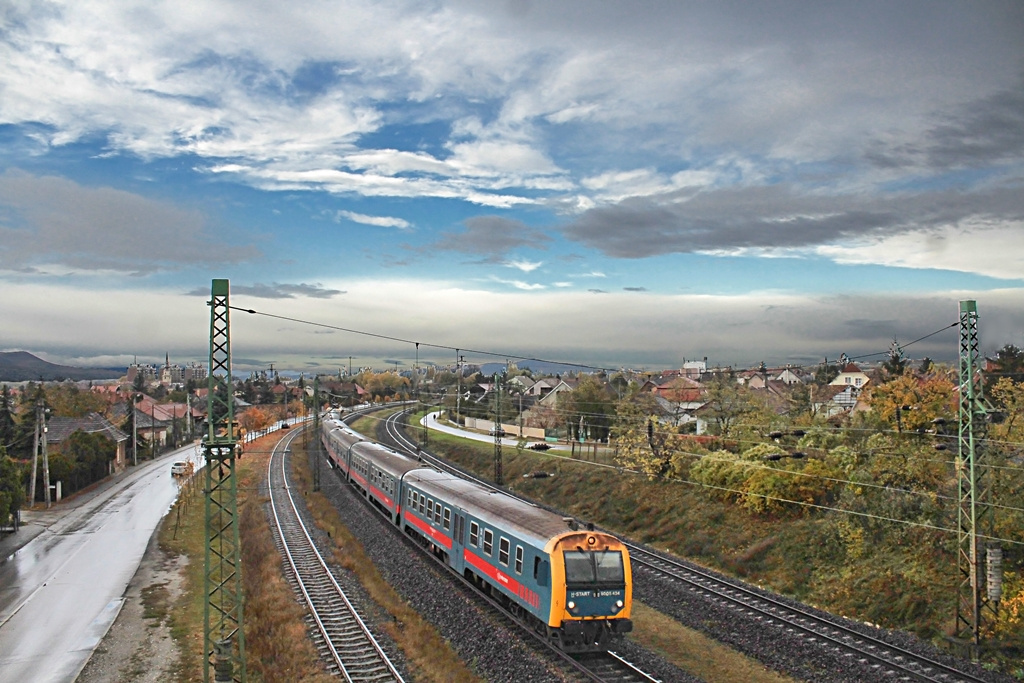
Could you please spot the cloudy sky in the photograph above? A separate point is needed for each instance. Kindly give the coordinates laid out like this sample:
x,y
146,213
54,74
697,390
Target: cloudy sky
x,y
617,183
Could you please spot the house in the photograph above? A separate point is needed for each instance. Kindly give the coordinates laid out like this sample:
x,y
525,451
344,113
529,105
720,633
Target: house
x,y
59,429
551,397
851,376
834,399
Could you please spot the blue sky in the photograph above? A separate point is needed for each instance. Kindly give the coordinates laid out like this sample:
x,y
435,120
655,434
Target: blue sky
x,y
617,183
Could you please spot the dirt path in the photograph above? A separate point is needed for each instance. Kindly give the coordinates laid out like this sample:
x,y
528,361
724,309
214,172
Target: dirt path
x,y
138,647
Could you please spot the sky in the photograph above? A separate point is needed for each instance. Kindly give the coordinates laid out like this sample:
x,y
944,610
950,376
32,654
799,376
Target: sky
x,y
623,184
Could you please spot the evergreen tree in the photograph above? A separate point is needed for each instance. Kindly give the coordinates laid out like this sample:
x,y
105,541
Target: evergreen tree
x,y
895,365
7,424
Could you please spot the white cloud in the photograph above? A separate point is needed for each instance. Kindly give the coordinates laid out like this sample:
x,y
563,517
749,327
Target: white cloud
x,y
381,221
525,266
997,250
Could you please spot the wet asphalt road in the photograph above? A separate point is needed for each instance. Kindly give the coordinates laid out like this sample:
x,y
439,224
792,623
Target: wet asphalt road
x,y
61,591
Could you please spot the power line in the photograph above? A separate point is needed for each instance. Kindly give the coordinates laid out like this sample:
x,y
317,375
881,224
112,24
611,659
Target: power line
x,y
445,347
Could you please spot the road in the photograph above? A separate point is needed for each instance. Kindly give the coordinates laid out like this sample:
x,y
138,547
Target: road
x,y
61,591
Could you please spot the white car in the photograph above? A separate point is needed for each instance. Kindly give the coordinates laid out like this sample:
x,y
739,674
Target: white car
x,y
179,467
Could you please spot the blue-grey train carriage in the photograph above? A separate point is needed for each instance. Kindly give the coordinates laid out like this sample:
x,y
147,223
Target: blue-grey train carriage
x,y
572,585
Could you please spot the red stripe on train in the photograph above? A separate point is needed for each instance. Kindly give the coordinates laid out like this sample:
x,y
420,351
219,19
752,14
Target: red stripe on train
x,y
429,530
502,579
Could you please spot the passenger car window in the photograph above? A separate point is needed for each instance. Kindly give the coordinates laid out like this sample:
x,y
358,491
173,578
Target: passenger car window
x,y
519,559
503,546
474,534
488,541
447,519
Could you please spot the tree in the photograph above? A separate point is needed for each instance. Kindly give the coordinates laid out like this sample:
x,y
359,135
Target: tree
x,y
12,488
1009,362
825,373
726,402
67,400
7,426
91,455
895,364
639,444
589,406
920,400
1009,397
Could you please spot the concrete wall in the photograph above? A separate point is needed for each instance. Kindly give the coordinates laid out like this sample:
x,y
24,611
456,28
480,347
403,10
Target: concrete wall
x,y
511,430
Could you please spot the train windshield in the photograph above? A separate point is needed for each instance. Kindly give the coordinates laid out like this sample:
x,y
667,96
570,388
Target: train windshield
x,y
603,566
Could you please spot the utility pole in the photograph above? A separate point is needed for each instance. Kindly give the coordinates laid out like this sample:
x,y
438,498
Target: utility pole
x,y
35,450
976,608
316,431
499,478
458,386
223,631
46,463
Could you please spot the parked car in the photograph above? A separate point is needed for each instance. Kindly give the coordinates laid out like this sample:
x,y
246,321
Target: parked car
x,y
179,467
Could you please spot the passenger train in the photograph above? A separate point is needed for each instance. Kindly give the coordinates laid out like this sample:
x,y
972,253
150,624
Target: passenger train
x,y
574,586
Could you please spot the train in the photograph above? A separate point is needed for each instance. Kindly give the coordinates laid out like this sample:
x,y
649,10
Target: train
x,y
571,584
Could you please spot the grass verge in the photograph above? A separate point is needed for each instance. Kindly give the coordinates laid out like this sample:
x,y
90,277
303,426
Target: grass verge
x,y
694,652
277,646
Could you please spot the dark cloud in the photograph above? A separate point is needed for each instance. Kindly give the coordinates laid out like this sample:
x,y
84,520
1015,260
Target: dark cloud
x,y
491,236
51,220
597,291
776,216
986,131
635,289
276,291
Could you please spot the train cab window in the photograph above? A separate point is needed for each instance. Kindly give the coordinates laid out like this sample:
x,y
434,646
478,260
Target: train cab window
x,y
474,534
594,567
488,541
503,546
519,559
447,519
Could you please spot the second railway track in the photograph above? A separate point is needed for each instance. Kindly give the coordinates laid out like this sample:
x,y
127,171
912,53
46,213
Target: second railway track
x,y
340,634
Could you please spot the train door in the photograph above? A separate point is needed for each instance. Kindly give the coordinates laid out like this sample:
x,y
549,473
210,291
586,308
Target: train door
x,y
458,559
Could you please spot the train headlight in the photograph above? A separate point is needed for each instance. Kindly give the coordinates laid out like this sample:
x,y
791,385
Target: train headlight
x,y
571,605
619,604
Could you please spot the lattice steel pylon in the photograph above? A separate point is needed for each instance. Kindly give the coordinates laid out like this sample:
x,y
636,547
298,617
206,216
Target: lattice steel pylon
x,y
975,611
223,633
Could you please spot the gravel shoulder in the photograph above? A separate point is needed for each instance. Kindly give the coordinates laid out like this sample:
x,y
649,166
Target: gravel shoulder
x,y
138,647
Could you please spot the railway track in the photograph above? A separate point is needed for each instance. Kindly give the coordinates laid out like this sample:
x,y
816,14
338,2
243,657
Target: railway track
x,y
888,661
342,638
881,658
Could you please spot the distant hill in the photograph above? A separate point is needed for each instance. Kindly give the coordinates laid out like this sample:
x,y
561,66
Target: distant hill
x,y
22,366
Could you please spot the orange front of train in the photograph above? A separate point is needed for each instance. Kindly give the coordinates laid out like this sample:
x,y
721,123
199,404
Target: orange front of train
x,y
591,589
